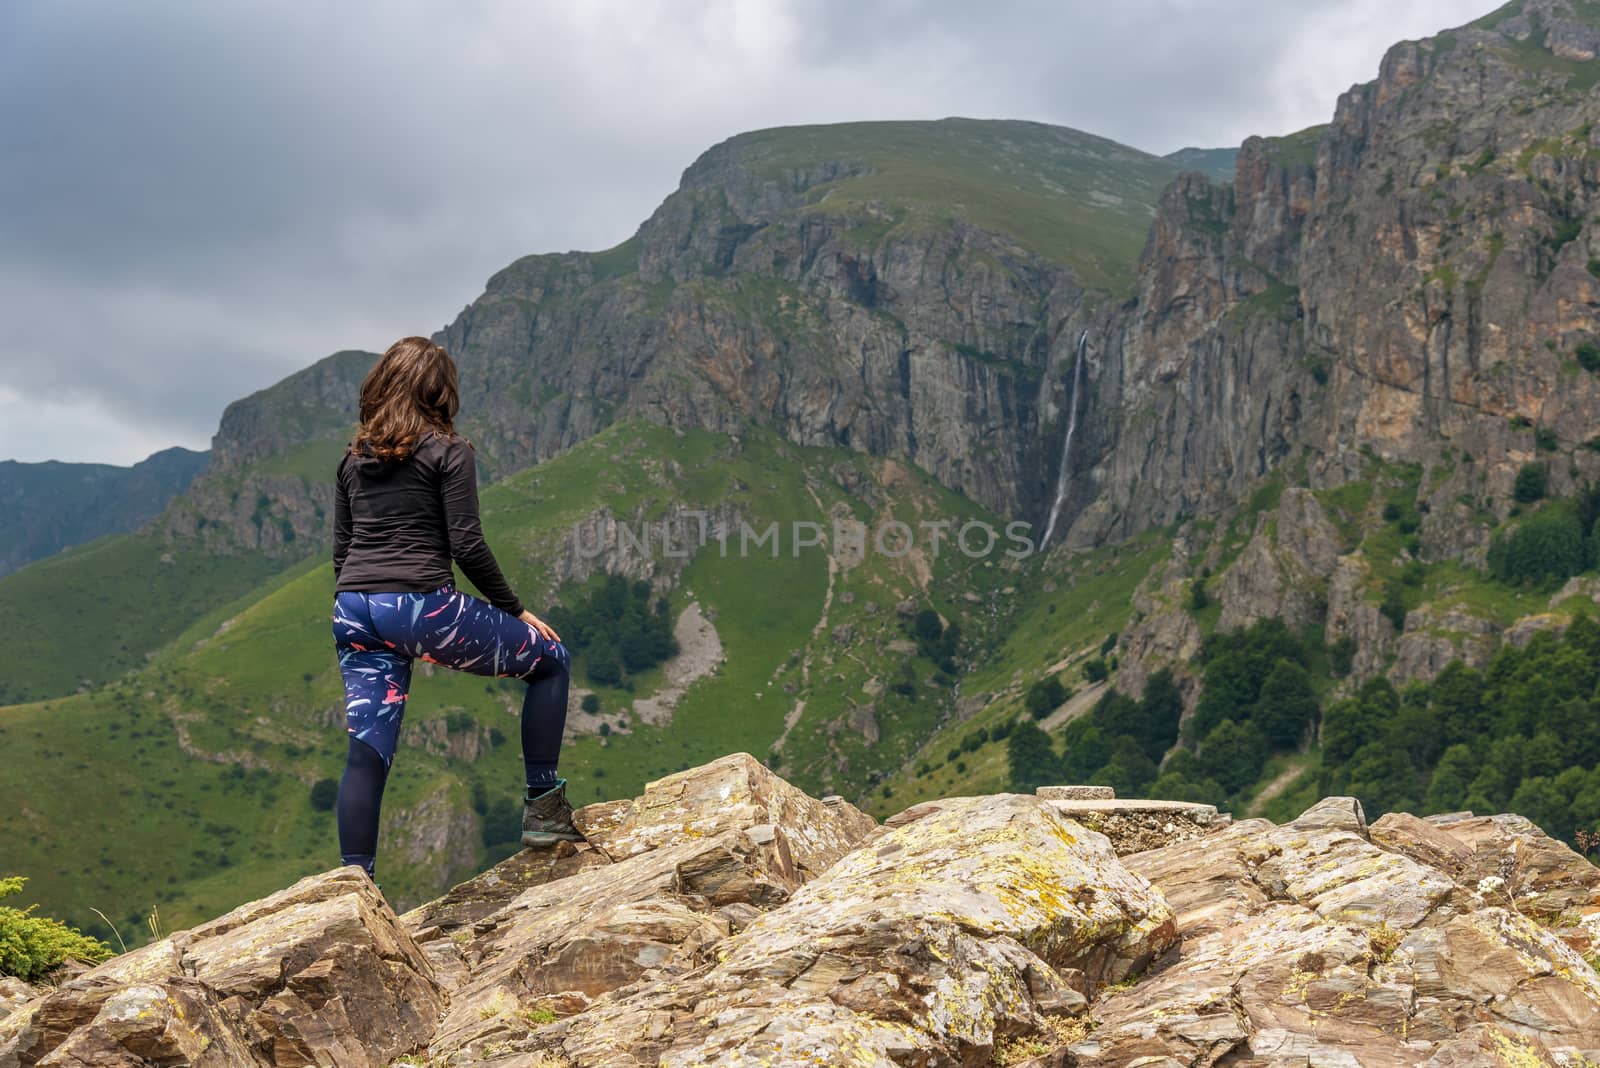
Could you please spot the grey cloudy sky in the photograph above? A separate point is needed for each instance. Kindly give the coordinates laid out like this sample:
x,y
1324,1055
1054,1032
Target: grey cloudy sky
x,y
202,197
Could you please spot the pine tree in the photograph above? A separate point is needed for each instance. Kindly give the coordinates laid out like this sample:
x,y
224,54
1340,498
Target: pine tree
x,y
1233,754
1156,725
1382,777
1447,790
1287,706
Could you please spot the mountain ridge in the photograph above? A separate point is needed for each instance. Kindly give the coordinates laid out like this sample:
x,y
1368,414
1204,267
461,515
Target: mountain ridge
x,y
52,505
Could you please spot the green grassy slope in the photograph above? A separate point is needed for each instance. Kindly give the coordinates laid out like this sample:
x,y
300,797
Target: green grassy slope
x,y
1072,197
89,614
1062,612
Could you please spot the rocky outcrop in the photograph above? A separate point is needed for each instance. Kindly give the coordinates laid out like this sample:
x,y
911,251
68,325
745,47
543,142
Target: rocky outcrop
x,y
930,945
724,917
319,973
660,880
1324,942
14,994
1283,572
1433,638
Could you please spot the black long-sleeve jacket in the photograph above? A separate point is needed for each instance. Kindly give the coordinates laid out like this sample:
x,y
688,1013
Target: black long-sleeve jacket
x,y
398,523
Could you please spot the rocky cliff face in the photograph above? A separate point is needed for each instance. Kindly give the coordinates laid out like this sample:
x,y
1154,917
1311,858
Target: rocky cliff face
x,y
1399,300
1409,282
725,917
800,280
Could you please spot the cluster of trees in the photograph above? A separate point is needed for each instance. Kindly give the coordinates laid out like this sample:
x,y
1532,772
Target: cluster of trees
x,y
615,630
1256,698
1045,696
1521,735
499,818
1558,541
1118,744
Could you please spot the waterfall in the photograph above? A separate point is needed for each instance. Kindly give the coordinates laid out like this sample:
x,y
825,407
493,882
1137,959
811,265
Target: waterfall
x,y
1064,478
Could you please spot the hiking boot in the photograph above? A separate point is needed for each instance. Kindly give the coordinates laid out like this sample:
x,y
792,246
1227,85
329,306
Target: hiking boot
x,y
547,818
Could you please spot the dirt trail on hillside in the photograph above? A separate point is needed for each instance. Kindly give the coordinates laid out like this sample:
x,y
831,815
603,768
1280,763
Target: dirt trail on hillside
x,y
1274,788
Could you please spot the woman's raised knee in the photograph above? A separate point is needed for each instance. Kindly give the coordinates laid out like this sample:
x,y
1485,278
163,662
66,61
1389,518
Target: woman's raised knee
x,y
554,660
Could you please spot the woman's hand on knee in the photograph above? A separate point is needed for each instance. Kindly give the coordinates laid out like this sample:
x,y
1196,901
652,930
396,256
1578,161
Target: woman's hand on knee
x,y
540,625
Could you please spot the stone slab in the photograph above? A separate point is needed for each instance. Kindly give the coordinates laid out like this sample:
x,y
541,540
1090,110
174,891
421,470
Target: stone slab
x,y
1205,815
1076,793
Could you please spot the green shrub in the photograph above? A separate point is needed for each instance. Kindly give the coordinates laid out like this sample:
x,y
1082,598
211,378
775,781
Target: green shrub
x,y
591,703
1288,705
1566,232
502,821
1588,354
1532,480
324,793
603,669
1043,697
1545,440
1548,546
1394,603
1232,754
31,945
1096,670
1031,758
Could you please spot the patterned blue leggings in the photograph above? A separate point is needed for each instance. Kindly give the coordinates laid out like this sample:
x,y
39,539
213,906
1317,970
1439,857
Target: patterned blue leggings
x,y
378,635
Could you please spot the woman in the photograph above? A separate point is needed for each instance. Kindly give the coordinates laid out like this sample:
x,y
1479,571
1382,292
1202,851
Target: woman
x,y
407,504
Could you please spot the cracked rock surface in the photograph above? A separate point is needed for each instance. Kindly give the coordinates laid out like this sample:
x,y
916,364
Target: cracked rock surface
x,y
1325,942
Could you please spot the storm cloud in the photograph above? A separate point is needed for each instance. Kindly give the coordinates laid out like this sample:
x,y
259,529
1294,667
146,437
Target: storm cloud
x,y
201,198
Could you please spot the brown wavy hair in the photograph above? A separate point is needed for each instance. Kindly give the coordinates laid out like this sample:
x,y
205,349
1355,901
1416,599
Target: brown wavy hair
x,y
409,391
